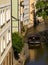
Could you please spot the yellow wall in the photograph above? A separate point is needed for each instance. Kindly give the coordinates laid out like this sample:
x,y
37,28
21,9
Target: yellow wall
x,y
21,8
31,9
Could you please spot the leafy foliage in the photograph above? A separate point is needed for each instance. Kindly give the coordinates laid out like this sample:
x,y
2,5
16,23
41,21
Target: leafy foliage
x,y
17,42
40,4
42,9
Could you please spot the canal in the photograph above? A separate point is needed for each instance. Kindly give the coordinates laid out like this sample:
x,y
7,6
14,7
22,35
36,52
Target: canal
x,y
38,56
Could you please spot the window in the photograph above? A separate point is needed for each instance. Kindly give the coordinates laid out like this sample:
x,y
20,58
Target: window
x,y
8,14
2,44
26,10
8,36
1,16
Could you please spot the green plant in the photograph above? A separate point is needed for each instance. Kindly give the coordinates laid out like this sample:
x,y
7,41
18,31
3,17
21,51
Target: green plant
x,y
17,42
42,9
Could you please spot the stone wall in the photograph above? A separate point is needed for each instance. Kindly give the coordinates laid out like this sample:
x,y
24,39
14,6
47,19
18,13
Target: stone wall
x,y
23,56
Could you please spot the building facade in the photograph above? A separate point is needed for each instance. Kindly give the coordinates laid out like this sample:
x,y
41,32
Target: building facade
x,y
26,12
15,16
5,33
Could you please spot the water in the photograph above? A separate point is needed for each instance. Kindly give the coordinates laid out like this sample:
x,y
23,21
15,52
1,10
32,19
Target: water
x,y
38,56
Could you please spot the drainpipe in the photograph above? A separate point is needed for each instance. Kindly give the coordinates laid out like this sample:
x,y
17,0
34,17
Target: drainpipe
x,y
35,22
34,14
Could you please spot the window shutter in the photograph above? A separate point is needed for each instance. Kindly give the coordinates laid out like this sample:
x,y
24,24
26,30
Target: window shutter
x,y
4,42
7,15
7,37
9,34
1,46
3,17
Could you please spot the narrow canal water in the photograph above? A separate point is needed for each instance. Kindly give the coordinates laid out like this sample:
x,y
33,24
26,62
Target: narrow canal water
x,y
37,56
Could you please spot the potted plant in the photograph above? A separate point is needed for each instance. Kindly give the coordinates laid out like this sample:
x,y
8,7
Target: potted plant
x,y
17,44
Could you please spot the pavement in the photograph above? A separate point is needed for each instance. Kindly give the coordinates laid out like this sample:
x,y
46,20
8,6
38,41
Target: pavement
x,y
23,56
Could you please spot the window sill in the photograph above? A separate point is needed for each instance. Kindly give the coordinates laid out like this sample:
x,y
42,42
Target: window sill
x,y
8,20
3,52
8,43
2,25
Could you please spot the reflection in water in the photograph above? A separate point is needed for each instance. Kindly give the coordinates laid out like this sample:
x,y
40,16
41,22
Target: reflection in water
x,y
32,54
40,53
38,56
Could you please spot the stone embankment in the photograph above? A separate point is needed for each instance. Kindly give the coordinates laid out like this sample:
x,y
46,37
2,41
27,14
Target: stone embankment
x,y
23,56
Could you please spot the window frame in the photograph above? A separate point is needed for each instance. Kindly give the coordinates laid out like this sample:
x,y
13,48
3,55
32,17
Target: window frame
x,y
8,36
8,16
